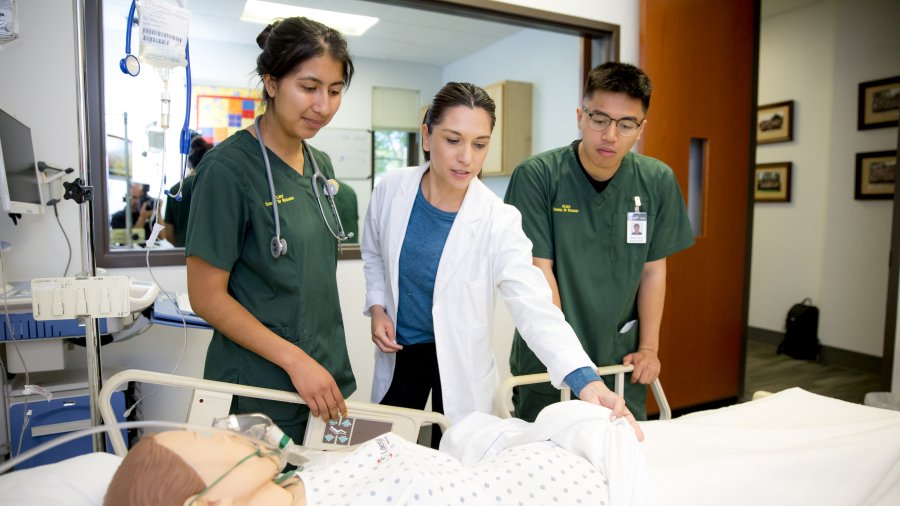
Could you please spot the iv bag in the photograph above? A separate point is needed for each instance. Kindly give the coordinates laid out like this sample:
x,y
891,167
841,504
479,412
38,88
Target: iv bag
x,y
164,34
9,21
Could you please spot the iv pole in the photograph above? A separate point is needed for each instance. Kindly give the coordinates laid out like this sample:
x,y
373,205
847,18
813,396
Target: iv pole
x,y
88,269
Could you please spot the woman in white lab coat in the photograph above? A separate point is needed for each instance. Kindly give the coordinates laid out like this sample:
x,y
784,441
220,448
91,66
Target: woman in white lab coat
x,y
438,247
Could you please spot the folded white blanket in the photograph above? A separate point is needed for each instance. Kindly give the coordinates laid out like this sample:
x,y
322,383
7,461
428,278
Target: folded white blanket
x,y
583,429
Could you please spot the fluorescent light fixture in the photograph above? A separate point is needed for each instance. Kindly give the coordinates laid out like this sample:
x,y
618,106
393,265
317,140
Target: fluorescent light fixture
x,y
257,11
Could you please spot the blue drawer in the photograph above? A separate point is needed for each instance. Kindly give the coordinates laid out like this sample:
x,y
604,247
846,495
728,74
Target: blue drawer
x,y
26,327
48,421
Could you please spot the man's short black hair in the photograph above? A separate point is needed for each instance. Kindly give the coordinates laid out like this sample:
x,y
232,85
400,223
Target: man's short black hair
x,y
618,77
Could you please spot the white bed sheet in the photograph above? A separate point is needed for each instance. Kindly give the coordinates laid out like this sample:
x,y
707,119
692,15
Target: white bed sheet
x,y
790,448
78,481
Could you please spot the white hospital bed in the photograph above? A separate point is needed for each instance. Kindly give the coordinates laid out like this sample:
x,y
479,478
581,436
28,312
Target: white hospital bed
x,y
789,448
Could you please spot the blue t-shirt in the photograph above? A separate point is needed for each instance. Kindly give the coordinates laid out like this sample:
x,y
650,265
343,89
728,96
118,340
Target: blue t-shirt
x,y
426,234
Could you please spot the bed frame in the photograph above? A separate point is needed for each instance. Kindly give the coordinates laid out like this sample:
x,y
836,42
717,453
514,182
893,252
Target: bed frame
x,y
503,397
405,422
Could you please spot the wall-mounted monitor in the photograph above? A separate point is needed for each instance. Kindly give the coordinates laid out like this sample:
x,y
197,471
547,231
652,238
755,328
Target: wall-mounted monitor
x,y
21,191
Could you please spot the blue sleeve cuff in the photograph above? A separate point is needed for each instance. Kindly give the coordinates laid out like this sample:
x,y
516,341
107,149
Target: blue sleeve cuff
x,y
579,378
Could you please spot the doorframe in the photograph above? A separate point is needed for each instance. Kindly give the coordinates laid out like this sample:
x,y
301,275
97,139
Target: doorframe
x,y
890,319
751,182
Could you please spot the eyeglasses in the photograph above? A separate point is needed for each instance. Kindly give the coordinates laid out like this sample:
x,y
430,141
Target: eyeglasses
x,y
600,122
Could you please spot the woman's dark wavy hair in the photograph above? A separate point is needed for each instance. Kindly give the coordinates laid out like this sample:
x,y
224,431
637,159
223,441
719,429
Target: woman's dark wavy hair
x,y
288,43
456,94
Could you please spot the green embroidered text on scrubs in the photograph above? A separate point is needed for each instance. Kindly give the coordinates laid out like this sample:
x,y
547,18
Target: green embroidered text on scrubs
x,y
598,272
295,296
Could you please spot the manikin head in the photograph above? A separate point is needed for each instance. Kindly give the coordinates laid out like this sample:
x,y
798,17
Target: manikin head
x,y
184,467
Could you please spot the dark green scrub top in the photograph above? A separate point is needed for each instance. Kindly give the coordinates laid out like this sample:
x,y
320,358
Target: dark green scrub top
x,y
598,272
231,225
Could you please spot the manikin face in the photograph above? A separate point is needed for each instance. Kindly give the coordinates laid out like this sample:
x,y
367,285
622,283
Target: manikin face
x,y
213,456
605,149
307,99
458,146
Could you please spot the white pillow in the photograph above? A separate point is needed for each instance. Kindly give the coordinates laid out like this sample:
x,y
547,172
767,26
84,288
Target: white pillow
x,y
77,481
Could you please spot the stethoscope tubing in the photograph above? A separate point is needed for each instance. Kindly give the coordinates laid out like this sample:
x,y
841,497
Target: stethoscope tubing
x,y
317,178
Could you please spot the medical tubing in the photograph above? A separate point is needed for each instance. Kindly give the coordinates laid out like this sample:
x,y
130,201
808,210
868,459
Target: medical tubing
x,y
184,143
71,436
185,130
26,414
260,426
128,28
168,295
68,242
262,147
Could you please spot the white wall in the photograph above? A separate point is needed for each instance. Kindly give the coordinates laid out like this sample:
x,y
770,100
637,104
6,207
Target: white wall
x,y
795,63
625,13
857,236
556,83
43,96
825,244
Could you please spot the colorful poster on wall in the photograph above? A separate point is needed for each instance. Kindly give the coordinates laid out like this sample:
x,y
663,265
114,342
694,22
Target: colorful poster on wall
x,y
223,110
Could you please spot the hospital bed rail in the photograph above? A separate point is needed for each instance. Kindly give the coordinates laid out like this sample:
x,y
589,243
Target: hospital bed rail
x,y
406,422
503,403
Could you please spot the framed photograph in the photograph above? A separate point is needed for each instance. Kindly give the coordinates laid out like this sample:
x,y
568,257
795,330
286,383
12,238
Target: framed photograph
x,y
879,103
115,156
876,174
772,182
775,122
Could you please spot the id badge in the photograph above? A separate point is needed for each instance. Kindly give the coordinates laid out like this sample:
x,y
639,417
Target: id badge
x,y
636,229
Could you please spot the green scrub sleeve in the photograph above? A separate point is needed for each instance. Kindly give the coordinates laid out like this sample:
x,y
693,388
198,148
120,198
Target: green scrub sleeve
x,y
530,194
218,217
672,232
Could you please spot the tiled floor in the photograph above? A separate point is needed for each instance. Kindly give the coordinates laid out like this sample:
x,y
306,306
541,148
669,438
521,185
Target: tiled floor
x,y
768,371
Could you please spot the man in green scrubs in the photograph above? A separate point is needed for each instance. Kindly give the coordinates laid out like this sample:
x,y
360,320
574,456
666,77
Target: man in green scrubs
x,y
602,221
295,296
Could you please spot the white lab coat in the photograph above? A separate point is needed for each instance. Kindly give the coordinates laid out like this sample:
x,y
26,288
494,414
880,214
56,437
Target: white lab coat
x,y
486,254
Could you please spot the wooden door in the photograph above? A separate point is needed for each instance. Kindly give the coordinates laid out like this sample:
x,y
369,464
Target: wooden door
x,y
702,56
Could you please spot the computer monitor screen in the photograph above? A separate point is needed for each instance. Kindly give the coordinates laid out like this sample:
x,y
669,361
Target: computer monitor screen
x,y
20,187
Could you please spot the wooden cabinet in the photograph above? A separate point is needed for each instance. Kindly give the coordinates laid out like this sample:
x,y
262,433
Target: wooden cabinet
x,y
511,139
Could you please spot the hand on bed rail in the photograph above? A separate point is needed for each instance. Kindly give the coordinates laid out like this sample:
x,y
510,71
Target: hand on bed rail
x,y
596,392
318,389
646,365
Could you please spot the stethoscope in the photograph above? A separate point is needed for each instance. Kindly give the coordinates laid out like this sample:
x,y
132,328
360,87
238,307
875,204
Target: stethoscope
x,y
279,246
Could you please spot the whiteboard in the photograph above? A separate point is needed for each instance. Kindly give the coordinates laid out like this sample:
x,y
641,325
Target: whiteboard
x,y
350,151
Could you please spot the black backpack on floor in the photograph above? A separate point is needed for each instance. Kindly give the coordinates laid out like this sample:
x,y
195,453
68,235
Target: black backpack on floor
x,y
801,332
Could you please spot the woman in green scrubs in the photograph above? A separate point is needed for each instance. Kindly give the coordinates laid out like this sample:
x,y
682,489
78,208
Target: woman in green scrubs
x,y
277,318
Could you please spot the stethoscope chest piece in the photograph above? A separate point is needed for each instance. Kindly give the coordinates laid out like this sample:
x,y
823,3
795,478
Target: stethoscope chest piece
x,y
130,65
278,246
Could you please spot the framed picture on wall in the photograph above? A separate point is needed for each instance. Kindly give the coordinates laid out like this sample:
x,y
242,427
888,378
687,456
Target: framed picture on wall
x,y
775,122
876,174
879,103
772,182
